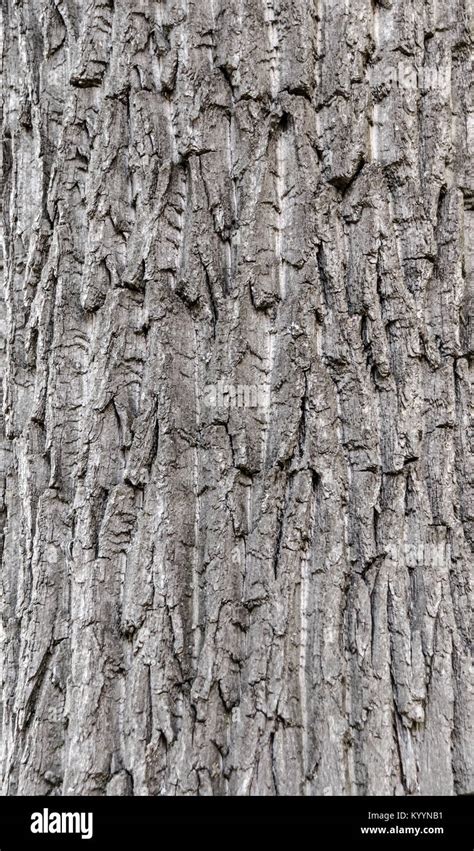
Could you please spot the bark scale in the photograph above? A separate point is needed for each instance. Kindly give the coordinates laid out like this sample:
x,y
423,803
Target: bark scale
x,y
237,518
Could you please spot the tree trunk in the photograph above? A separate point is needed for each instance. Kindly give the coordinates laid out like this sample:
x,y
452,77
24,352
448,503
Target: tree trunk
x,y
236,507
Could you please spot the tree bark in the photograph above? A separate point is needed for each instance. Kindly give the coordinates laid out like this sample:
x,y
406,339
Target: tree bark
x,y
237,512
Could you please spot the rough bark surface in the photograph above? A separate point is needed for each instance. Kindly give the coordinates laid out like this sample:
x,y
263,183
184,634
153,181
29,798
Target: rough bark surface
x,y
237,516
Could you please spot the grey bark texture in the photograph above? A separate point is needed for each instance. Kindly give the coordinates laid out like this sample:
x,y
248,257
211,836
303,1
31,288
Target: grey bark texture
x,y
237,488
